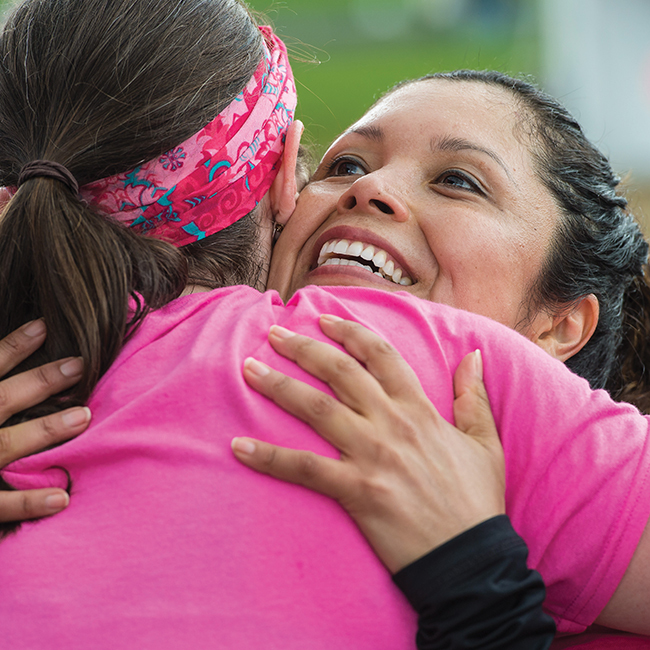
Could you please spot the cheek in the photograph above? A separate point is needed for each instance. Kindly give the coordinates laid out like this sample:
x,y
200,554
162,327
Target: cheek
x,y
485,272
311,211
283,259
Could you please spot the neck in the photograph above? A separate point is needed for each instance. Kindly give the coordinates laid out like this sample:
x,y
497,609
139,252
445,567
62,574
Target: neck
x,y
194,288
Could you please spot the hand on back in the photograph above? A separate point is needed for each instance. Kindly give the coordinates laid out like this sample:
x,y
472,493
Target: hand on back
x,y
409,479
20,392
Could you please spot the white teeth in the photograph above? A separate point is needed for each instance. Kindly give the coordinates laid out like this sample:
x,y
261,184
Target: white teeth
x,y
321,255
355,249
379,259
341,247
368,253
386,269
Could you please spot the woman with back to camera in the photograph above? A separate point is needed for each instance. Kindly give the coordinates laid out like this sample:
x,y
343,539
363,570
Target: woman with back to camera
x,y
149,394
98,261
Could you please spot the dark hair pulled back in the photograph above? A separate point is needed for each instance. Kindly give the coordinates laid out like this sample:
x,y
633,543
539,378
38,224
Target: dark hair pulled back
x,y
101,86
598,247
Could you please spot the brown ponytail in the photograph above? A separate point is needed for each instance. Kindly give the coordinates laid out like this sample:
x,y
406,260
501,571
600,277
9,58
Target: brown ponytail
x,y
99,86
77,270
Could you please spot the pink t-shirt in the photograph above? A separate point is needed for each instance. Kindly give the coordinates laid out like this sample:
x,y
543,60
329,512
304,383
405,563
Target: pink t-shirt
x,y
170,543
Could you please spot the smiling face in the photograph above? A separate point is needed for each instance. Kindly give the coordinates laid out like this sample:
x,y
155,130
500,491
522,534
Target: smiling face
x,y
431,192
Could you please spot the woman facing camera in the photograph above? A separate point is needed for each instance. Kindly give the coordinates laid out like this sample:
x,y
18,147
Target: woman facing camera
x,y
478,191
137,558
430,193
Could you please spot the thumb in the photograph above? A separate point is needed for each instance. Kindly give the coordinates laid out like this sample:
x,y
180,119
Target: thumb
x,y
472,410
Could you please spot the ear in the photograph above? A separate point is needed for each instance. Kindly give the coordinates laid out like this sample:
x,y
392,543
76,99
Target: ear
x,y
284,191
565,335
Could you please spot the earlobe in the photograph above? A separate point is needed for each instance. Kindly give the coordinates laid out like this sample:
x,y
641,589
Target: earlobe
x,y
568,333
284,190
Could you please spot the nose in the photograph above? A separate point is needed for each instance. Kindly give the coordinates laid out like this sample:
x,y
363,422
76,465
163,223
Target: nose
x,y
371,195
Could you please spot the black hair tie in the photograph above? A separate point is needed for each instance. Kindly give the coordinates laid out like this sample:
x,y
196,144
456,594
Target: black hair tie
x,y
48,169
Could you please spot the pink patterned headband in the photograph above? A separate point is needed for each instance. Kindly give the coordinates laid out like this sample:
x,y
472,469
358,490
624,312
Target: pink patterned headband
x,y
218,175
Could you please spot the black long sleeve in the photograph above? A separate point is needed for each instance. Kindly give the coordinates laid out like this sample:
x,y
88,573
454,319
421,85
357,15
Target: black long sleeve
x,y
475,591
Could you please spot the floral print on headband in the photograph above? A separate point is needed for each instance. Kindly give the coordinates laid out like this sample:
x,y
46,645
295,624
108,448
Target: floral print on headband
x,y
217,176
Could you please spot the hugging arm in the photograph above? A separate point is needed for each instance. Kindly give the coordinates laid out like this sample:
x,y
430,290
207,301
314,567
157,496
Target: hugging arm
x,y
412,482
20,392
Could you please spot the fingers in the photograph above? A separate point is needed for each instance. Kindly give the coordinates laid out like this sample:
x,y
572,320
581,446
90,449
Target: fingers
x,y
324,475
35,435
329,417
22,391
472,410
32,387
347,378
386,372
380,358
473,416
32,504
28,438
20,344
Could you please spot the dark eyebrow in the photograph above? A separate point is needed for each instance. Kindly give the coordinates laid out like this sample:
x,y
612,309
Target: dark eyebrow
x,y
370,132
449,143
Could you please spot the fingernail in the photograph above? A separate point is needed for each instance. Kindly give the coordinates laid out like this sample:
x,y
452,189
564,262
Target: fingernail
x,y
58,501
281,332
35,328
243,446
256,367
72,368
478,364
330,318
76,417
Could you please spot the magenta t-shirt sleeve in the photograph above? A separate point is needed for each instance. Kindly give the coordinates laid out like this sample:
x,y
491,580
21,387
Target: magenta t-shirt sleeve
x,y
169,542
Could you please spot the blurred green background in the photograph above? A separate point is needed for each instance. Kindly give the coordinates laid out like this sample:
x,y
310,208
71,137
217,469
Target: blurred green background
x,y
346,53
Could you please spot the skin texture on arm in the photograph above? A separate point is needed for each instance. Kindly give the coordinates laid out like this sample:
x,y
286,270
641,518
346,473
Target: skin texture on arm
x,y
20,392
409,479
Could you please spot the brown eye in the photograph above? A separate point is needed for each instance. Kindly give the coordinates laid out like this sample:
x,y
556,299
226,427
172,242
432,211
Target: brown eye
x,y
345,167
459,180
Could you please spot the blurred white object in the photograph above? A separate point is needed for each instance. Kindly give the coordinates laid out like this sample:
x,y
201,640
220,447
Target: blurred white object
x,y
596,60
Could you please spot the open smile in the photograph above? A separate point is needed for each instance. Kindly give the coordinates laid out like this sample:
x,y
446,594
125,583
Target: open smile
x,y
344,252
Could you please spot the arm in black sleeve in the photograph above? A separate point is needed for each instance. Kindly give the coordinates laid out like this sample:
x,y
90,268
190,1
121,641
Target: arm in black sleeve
x,y
475,591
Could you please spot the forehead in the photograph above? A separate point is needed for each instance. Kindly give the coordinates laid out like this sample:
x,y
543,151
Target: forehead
x,y
487,114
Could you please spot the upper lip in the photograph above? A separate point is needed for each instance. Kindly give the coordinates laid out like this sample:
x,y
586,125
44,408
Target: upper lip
x,y
362,235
